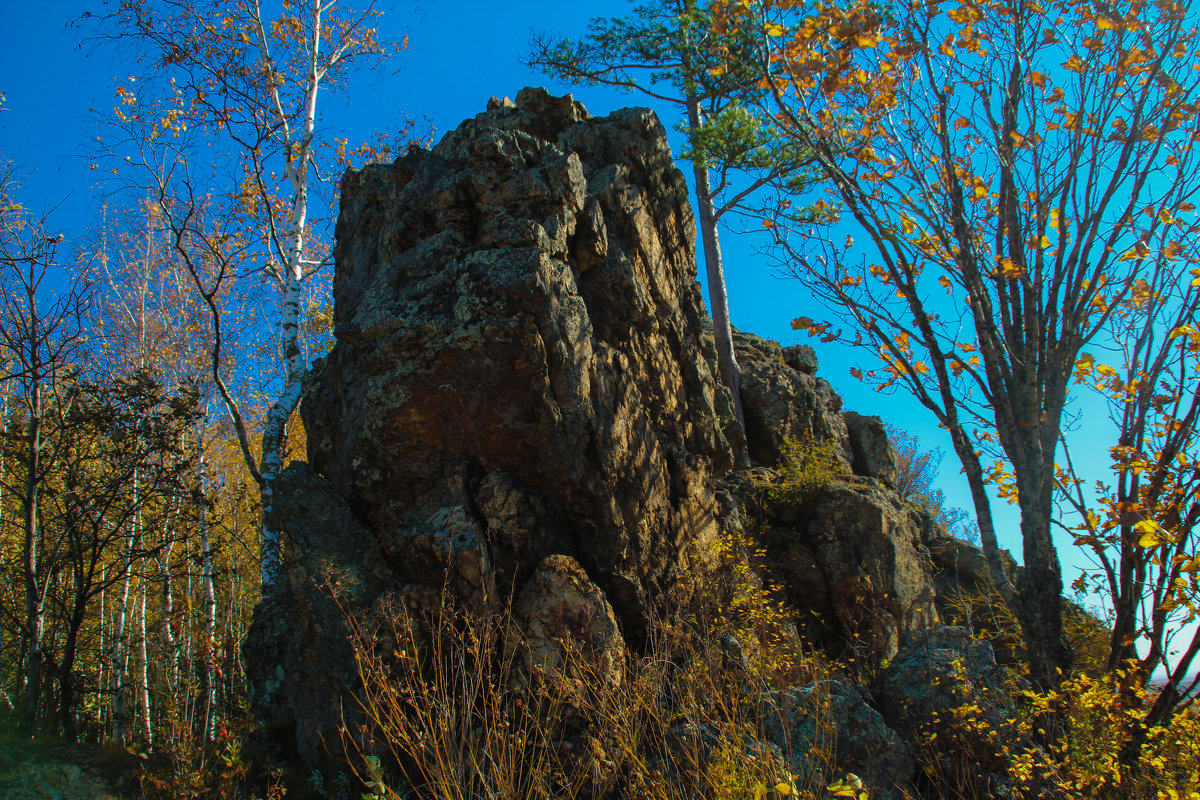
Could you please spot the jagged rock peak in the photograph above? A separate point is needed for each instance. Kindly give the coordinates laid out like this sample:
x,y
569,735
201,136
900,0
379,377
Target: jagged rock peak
x,y
520,411
517,307
521,372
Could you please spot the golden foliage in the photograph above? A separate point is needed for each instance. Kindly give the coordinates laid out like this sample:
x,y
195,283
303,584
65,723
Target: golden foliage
x,y
1101,718
805,466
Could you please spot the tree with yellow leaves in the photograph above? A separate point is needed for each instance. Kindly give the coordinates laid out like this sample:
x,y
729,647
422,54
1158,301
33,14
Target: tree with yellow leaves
x,y
1023,172
247,84
1142,524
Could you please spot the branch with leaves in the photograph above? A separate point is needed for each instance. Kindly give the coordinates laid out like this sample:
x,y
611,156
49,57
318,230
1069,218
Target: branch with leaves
x,y
249,85
1015,170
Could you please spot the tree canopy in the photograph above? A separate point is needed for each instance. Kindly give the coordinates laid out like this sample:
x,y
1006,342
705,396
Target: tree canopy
x,y
1021,172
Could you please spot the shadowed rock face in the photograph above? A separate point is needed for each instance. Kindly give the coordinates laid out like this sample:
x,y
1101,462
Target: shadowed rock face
x,y
520,411
517,309
852,558
521,371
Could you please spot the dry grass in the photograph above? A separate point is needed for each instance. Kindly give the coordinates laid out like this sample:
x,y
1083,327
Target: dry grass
x,y
454,711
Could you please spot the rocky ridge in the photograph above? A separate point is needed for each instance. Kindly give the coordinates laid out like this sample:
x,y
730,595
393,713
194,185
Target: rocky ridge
x,y
520,411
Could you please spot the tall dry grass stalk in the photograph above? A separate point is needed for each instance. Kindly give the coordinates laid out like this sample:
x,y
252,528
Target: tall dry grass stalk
x,y
456,708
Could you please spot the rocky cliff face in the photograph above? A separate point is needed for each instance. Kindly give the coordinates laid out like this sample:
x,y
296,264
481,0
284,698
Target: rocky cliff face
x,y
520,366
521,397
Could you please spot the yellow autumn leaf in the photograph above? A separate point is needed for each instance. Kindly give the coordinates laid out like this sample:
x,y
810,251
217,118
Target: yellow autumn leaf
x,y
773,30
1148,531
1105,24
1139,251
1010,269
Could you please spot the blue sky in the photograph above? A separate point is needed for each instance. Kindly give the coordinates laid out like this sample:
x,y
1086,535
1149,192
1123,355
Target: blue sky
x,y
461,52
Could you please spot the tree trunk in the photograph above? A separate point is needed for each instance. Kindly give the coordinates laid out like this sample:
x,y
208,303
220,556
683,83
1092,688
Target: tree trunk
x,y
66,690
101,652
144,670
731,373
34,605
170,647
1039,597
117,664
983,509
208,586
292,274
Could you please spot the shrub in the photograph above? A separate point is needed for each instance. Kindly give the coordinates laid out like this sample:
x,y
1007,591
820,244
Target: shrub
x,y
916,474
187,768
1099,716
805,465
733,600
453,713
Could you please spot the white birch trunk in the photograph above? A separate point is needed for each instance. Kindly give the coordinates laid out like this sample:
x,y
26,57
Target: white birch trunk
x,y
209,589
170,647
117,668
297,174
144,670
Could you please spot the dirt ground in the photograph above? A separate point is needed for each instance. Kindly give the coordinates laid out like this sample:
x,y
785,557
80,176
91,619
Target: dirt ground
x,y
51,770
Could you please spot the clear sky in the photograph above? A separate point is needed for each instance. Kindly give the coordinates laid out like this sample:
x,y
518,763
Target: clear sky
x,y
461,52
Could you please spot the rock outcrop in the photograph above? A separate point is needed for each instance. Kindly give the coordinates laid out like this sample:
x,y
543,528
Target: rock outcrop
x,y
785,400
945,684
520,415
804,720
521,371
852,557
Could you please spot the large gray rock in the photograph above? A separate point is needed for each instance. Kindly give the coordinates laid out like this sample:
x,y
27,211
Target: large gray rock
x,y
298,653
945,690
568,626
521,372
520,414
829,729
518,306
850,558
873,454
967,594
782,401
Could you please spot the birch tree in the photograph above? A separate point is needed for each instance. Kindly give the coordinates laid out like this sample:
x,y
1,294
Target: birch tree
x,y
40,344
248,84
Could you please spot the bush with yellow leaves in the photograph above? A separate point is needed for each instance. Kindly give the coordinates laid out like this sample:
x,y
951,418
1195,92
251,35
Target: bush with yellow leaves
x,y
805,465
1098,718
